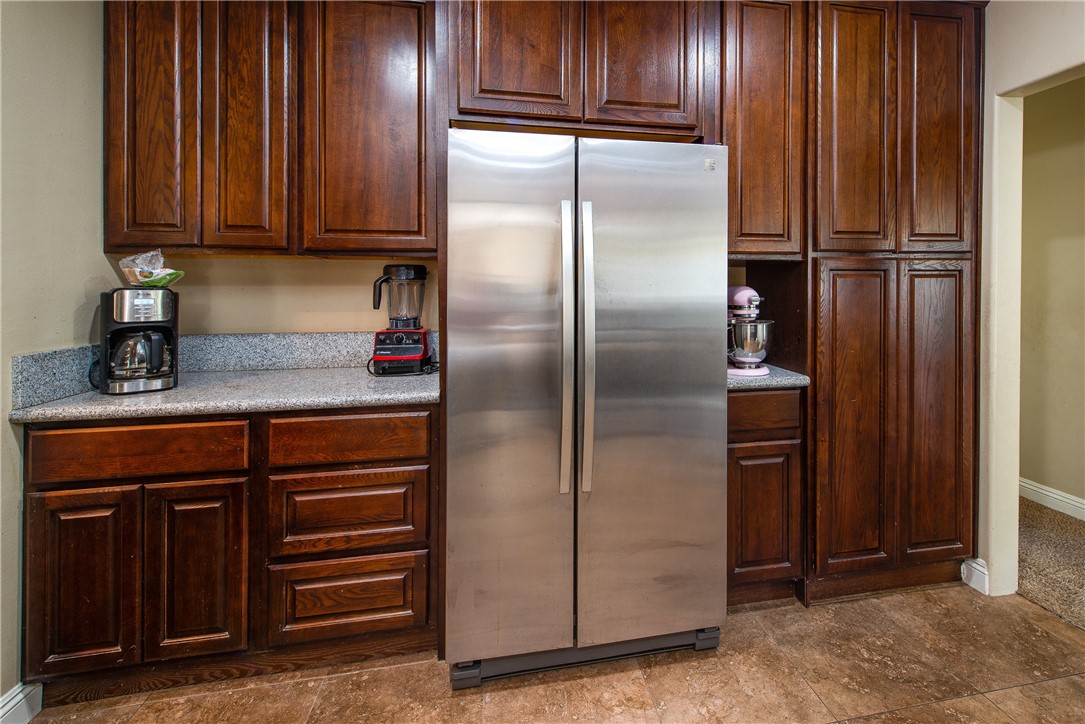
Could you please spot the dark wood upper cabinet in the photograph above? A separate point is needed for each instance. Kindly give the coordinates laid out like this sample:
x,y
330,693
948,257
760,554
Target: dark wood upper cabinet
x,y
195,555
936,432
938,126
520,58
643,63
152,125
855,422
856,126
245,119
764,101
83,599
368,169
647,67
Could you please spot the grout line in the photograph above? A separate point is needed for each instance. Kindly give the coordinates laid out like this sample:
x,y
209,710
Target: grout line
x,y
995,705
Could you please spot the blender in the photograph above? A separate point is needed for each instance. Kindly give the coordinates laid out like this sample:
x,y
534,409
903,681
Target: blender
x,y
748,338
402,348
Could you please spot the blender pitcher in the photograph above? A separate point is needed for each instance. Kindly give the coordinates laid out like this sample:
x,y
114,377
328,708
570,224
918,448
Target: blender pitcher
x,y
407,287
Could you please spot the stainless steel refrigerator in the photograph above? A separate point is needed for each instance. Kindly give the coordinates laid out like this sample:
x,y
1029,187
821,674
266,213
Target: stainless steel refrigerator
x,y
586,400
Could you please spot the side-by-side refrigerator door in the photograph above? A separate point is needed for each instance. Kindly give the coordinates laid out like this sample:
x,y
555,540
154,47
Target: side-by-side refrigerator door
x,y
510,369
653,501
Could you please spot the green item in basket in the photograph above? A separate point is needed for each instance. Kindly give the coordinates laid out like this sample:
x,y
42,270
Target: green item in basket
x,y
162,280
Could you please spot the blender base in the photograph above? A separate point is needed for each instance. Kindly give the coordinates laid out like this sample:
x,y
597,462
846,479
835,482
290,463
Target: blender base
x,y
748,372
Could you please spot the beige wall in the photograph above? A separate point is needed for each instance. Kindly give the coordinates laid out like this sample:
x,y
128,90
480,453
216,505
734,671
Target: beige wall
x,y
287,295
51,233
1053,289
51,266
1030,46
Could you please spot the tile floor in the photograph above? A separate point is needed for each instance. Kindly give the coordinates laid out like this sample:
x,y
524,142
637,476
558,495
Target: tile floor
x,y
943,654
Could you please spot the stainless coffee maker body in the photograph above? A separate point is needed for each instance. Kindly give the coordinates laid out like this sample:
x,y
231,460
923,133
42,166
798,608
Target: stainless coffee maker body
x,y
139,341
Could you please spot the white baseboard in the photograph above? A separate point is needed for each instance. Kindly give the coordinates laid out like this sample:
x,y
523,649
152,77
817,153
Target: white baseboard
x,y
21,704
1054,499
974,573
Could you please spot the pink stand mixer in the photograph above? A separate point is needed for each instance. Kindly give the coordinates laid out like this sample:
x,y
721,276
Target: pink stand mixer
x,y
748,336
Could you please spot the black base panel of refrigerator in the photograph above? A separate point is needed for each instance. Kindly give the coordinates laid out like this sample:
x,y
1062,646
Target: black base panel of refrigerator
x,y
473,673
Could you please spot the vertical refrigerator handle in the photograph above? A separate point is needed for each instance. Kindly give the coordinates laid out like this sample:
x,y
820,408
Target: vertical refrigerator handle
x,y
588,459
568,347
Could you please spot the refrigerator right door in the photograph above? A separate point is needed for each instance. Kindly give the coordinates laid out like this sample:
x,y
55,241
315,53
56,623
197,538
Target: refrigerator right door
x,y
652,500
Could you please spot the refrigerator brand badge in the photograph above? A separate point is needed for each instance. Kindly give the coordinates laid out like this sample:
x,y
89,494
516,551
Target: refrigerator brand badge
x,y
710,164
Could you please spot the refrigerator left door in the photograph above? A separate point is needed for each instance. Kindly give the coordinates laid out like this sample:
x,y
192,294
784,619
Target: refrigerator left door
x,y
509,540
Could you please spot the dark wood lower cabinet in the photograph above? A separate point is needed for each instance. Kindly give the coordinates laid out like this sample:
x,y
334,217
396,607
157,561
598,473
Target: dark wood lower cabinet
x,y
84,559
341,597
217,545
765,466
895,422
195,583
764,492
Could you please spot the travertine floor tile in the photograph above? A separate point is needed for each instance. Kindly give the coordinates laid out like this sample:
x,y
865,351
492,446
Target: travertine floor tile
x,y
407,693
287,703
859,661
245,682
80,714
614,691
988,642
749,680
969,710
382,663
1061,701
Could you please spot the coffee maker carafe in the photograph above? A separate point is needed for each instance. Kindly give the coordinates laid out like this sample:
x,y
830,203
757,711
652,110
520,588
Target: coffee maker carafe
x,y
403,348
139,341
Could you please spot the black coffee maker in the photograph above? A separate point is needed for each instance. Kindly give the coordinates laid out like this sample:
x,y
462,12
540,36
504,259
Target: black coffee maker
x,y
139,340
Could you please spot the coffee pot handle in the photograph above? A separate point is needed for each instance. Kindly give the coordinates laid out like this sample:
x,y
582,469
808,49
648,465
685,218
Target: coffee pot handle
x,y
377,290
155,345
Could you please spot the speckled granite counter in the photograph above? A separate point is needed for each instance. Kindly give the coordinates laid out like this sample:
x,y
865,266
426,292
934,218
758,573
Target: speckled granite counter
x,y
215,393
221,374
777,379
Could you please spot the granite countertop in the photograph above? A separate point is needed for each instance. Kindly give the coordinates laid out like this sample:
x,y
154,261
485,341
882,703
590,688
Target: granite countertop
x,y
240,374
243,391
777,379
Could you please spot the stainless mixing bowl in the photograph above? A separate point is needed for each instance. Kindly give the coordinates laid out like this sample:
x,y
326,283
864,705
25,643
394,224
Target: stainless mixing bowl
x,y
748,342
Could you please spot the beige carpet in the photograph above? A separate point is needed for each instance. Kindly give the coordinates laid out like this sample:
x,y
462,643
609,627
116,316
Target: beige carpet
x,y
1052,561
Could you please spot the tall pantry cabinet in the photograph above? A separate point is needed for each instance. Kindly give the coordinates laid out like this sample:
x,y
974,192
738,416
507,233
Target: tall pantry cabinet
x,y
897,130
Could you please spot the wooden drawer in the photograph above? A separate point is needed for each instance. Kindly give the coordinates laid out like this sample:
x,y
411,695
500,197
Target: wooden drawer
x,y
763,415
336,511
348,596
349,438
135,451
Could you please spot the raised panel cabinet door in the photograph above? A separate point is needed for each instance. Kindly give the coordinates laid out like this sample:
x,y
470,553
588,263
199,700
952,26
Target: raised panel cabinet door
x,y
937,401
317,600
765,110
643,63
83,586
856,126
938,133
336,510
856,420
519,58
196,549
368,164
152,124
245,109
764,524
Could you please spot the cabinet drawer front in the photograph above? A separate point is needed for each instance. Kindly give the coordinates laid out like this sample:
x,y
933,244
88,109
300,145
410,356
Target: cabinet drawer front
x,y
345,597
136,451
339,511
768,415
349,438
